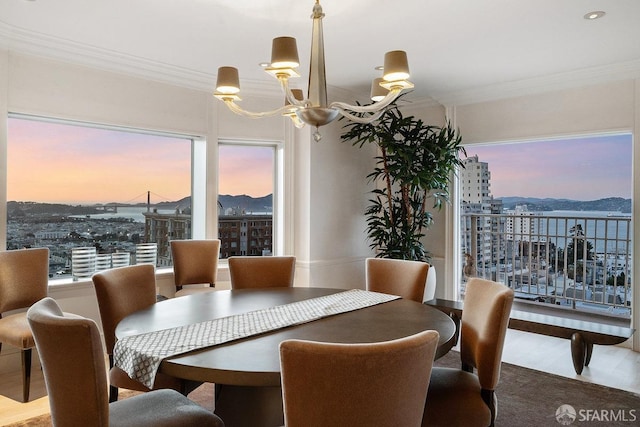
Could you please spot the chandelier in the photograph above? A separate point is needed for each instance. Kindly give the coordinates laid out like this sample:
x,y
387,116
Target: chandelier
x,y
315,110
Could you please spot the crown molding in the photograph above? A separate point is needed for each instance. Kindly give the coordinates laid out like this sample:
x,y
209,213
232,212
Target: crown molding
x,y
32,43
22,41
579,78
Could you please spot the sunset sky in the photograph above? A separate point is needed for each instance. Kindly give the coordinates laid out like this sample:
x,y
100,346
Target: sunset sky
x,y
51,162
586,168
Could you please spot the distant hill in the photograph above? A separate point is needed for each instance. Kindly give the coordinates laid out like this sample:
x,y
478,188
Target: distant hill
x,y
241,202
610,204
246,203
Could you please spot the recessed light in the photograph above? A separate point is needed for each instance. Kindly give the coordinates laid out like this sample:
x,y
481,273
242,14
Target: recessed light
x,y
379,67
594,15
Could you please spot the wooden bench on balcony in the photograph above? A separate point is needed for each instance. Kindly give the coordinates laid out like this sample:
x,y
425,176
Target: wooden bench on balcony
x,y
583,335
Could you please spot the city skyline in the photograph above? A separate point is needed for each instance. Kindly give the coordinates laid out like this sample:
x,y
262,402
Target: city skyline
x,y
580,168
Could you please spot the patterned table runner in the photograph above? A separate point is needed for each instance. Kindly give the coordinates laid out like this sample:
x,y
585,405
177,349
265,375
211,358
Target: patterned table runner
x,y
140,355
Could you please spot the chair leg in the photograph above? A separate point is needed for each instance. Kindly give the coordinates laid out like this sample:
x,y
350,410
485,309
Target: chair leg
x,y
113,391
113,394
26,374
489,397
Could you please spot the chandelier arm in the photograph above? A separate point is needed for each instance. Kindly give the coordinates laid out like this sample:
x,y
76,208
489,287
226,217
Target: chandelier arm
x,y
238,110
360,119
371,108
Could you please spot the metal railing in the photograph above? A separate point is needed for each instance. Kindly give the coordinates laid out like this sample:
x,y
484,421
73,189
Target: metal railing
x,y
580,262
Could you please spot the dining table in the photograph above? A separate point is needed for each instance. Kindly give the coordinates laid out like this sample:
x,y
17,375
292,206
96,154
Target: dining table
x,y
246,370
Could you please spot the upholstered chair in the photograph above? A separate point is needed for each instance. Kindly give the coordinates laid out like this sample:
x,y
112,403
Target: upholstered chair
x,y
24,278
72,358
460,397
397,277
261,271
195,262
120,292
381,384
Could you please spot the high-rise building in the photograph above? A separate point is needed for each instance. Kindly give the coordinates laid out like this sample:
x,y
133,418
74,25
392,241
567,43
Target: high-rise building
x,y
479,232
475,179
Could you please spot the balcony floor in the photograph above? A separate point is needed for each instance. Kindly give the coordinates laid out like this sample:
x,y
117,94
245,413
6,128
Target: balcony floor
x,y
612,366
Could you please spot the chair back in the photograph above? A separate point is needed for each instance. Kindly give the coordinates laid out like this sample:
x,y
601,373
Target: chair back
x,y
120,292
375,384
73,364
485,317
397,277
261,271
24,277
195,261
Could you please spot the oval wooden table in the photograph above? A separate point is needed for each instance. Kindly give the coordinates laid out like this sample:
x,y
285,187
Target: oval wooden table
x,y
247,371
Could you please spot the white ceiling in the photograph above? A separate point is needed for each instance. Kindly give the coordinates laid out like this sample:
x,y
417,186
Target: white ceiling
x,y
459,50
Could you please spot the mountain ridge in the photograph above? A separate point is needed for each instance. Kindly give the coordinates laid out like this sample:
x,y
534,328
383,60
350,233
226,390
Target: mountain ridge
x,y
611,204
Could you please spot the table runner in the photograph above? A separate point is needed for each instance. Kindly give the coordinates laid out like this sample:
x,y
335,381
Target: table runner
x,y
140,355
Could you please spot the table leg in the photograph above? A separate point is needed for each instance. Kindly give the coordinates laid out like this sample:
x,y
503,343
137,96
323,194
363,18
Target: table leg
x,y
242,406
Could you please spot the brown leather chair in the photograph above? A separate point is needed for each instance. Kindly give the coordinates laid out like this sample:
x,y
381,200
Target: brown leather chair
x,y
195,262
24,279
262,271
396,277
120,292
458,397
374,384
72,358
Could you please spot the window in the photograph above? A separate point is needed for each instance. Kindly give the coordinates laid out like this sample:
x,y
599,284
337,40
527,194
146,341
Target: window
x,y
554,221
248,175
73,185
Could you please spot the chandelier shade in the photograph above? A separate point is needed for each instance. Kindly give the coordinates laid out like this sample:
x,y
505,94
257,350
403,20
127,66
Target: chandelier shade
x,y
315,109
377,91
396,66
284,53
228,81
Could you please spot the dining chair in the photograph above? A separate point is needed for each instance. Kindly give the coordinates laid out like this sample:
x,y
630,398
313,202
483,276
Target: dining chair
x,y
485,317
380,384
72,358
120,292
404,278
24,279
195,262
262,271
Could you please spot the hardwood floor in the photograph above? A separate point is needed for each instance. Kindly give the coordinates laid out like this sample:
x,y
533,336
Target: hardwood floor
x,y
612,366
11,407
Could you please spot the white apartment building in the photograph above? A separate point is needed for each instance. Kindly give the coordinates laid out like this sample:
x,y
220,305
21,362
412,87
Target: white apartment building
x,y
519,225
475,183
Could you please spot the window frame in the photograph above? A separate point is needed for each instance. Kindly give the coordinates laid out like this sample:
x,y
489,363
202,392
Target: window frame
x,y
278,212
199,179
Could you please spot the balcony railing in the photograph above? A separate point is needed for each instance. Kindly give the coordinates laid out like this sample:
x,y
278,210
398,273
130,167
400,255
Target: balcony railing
x,y
579,262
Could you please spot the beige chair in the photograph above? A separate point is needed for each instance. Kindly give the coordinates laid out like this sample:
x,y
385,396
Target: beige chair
x,y
72,358
397,277
262,271
24,278
374,384
120,292
458,397
195,262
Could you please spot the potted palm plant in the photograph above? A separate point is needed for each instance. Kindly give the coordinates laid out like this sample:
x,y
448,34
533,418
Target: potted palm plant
x,y
416,163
